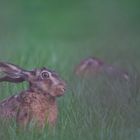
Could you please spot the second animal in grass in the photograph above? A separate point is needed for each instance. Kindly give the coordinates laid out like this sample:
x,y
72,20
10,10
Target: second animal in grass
x,y
94,66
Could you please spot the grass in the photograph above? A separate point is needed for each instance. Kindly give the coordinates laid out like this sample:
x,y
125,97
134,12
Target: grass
x,y
58,34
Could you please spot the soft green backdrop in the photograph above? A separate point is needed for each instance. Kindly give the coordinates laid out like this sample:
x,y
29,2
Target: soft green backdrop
x,y
58,34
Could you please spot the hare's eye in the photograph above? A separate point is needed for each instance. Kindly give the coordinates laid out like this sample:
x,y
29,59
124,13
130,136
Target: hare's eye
x,y
45,75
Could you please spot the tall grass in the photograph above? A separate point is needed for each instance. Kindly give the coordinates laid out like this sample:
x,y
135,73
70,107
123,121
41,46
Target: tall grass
x,y
58,34
93,109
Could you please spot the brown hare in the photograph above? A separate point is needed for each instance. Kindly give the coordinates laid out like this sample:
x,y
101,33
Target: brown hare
x,y
36,104
94,66
89,66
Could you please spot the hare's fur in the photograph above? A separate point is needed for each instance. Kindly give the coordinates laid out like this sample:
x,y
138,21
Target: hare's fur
x,y
94,66
37,107
38,103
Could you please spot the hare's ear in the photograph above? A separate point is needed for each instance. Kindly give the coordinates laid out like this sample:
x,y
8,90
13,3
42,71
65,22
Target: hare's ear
x,y
13,73
13,80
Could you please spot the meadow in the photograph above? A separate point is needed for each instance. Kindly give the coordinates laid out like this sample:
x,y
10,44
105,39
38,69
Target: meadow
x,y
58,34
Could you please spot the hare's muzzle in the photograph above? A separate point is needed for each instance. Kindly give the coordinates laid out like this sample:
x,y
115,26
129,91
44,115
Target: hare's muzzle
x,y
60,89
62,86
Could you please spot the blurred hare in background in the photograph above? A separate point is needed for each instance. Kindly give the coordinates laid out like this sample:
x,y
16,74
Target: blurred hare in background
x,y
94,66
36,104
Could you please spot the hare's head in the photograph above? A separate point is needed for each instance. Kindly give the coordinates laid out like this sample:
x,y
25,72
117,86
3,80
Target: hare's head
x,y
46,81
88,66
40,80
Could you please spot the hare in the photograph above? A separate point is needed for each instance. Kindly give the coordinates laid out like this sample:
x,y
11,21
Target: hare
x,y
94,66
89,66
36,104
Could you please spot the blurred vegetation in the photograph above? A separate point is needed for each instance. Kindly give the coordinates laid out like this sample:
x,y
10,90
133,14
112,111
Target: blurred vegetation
x,y
58,34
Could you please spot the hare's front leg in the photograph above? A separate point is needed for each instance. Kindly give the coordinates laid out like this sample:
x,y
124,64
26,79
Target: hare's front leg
x,y
23,117
52,115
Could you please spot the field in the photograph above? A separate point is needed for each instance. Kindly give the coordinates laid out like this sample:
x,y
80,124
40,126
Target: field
x,y
58,34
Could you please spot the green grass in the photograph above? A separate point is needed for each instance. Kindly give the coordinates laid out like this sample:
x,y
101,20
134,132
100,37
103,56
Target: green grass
x,y
58,34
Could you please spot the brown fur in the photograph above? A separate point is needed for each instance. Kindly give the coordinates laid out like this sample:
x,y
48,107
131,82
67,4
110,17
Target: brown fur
x,y
94,66
9,107
89,66
37,108
36,105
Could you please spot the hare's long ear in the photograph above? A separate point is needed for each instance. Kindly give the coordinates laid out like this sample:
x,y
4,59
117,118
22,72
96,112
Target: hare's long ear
x,y
9,68
13,80
13,73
